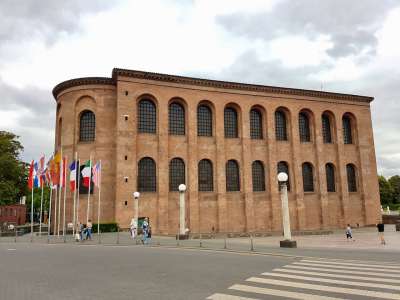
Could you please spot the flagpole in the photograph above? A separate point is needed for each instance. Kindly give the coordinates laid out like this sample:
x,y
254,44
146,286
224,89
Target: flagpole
x,y
65,190
78,187
55,211
98,208
59,195
41,196
33,186
88,197
73,214
49,219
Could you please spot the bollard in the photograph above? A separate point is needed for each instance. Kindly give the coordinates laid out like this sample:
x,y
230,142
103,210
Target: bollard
x,y
16,233
225,247
177,240
117,234
99,240
201,242
251,243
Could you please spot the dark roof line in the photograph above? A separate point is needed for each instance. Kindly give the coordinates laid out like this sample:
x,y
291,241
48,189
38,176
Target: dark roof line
x,y
207,83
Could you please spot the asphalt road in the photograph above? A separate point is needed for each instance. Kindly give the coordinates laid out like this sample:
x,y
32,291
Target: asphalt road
x,y
40,271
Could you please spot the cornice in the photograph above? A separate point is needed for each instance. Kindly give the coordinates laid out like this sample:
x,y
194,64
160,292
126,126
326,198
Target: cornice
x,y
81,81
236,86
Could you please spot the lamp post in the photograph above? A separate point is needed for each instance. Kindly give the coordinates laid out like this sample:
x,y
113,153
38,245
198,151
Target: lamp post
x,y
287,242
136,196
182,231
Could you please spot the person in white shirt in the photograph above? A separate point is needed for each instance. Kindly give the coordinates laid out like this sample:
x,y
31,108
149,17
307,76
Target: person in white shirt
x,y
133,228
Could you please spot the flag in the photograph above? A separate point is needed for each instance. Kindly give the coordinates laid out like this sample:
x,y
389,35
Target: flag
x,y
72,175
96,174
41,171
63,171
36,177
30,177
86,174
54,172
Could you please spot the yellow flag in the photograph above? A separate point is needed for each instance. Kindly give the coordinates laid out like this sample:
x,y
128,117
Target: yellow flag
x,y
57,158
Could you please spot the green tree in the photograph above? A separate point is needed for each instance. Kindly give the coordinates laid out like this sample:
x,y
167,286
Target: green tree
x,y
13,172
385,190
37,192
395,183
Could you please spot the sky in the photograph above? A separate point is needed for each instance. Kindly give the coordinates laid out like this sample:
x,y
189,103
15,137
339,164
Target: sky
x,y
337,45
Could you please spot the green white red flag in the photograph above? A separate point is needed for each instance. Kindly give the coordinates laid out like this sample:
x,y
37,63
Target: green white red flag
x,y
86,173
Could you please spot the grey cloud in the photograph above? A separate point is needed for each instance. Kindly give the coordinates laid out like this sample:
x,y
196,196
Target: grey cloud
x,y
35,109
351,25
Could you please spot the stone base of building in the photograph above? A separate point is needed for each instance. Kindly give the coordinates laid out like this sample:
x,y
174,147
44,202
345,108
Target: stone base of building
x,y
288,244
182,236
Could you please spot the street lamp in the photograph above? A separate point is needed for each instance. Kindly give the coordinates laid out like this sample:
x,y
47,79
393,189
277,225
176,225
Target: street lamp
x,y
136,196
182,231
287,242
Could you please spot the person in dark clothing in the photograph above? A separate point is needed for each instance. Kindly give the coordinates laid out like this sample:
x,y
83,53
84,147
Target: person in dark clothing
x,y
381,230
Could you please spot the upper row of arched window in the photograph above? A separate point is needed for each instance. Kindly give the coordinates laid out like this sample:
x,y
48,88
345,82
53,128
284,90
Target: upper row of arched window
x,y
147,123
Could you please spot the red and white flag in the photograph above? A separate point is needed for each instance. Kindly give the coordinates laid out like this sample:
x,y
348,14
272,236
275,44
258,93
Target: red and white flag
x,y
72,175
96,174
86,173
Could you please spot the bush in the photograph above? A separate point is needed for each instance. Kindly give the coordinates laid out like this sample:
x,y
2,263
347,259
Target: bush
x,y
106,227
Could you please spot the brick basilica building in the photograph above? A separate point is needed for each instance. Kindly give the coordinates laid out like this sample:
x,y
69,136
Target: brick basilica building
x,y
226,141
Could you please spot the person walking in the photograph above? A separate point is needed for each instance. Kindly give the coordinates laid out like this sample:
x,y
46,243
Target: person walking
x,y
349,232
133,228
89,230
145,228
381,230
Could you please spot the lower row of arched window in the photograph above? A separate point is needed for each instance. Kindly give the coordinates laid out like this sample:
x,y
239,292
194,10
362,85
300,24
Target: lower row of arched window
x,y
147,178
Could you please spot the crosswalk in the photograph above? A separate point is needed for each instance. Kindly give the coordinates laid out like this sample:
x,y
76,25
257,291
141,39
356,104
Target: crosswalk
x,y
320,278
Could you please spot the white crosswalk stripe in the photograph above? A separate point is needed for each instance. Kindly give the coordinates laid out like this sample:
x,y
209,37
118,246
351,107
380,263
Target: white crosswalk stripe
x,y
320,279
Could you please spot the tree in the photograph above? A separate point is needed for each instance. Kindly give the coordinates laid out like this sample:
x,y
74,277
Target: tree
x,y
37,193
395,183
13,172
385,190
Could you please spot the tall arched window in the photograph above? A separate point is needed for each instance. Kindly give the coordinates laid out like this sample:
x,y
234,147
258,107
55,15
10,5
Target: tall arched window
x,y
308,178
176,174
326,129
351,178
147,181
87,126
147,116
280,126
258,175
232,176
176,119
347,130
304,128
256,128
205,176
204,120
330,177
230,122
283,167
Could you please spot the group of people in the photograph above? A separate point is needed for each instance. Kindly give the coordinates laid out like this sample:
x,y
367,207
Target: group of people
x,y
380,227
146,230
84,231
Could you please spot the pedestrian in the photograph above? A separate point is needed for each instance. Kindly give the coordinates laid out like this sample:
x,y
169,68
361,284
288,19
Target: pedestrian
x,y
89,230
145,228
149,234
133,228
349,233
381,230
78,235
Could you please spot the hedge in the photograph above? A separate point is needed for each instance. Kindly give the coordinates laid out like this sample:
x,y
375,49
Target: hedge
x,y
106,227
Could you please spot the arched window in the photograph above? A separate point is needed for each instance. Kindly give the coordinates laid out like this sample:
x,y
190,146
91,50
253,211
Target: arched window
x,y
87,126
256,128
304,128
347,130
147,116
232,176
308,178
147,175
326,129
205,176
204,121
280,126
176,119
176,174
351,178
230,123
330,177
258,174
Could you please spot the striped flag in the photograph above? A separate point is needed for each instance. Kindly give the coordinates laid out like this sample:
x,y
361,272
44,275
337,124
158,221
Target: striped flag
x,y
30,177
86,173
36,176
72,175
96,174
41,171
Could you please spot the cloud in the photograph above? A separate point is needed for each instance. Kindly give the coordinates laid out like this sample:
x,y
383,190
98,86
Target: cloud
x,y
350,25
